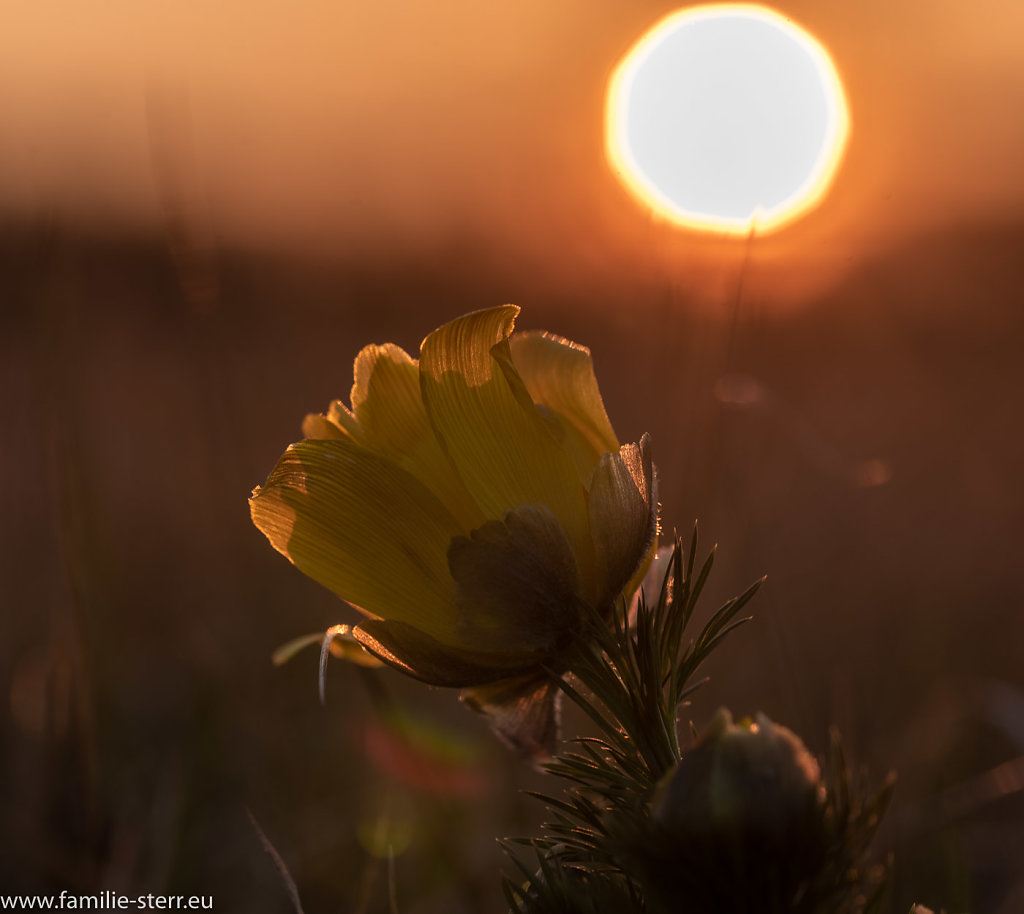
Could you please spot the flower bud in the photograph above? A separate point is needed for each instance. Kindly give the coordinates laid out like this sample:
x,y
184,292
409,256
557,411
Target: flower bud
x,y
738,825
745,781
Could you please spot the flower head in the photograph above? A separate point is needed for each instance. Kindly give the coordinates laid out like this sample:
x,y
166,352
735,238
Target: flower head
x,y
471,504
754,777
740,824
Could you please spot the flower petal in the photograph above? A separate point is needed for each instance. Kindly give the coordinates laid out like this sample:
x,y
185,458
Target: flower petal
x,y
423,657
524,711
517,585
522,706
499,444
559,374
319,426
363,527
388,417
386,396
623,507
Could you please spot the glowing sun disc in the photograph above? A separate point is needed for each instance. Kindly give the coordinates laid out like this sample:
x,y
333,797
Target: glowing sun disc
x,y
726,118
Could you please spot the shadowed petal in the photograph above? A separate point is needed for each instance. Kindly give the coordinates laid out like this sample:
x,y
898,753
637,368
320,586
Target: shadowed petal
x,y
364,528
524,712
503,450
623,507
417,654
517,585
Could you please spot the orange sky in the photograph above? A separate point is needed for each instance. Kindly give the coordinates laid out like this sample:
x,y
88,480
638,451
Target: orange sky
x,y
346,128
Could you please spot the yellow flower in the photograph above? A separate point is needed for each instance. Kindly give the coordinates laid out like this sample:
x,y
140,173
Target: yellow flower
x,y
469,505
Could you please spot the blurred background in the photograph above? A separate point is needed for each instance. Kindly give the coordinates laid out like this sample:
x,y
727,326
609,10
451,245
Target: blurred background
x,y
206,210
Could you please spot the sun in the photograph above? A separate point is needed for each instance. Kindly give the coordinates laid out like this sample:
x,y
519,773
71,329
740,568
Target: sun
x,y
726,118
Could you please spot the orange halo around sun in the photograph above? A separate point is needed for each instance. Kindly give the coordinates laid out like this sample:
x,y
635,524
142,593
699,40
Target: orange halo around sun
x,y
762,220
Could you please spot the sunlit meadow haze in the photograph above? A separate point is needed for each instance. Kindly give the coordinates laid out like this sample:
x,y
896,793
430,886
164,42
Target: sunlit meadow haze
x,y
726,118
